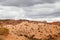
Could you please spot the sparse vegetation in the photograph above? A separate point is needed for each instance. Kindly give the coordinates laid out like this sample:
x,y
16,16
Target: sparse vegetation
x,y
29,30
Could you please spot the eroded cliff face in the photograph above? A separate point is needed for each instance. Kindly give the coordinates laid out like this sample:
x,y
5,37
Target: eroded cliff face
x,y
30,30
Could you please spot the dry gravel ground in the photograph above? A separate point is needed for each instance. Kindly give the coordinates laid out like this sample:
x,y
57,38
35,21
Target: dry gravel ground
x,y
30,30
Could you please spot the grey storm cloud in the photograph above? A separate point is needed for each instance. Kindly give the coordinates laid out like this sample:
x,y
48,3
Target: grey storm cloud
x,y
35,11
31,9
25,2
44,15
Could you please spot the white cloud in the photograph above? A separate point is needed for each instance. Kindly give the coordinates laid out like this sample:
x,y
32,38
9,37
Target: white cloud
x,y
11,12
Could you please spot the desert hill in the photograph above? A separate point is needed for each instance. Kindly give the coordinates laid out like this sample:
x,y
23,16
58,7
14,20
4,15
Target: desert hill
x,y
31,30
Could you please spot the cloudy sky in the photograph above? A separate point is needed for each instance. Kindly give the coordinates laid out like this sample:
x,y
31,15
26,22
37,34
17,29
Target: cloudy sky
x,y
30,9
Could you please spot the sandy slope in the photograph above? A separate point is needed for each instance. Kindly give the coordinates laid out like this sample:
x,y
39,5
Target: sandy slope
x,y
30,30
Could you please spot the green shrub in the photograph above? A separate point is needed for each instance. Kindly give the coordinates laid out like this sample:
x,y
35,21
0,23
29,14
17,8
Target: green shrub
x,y
4,31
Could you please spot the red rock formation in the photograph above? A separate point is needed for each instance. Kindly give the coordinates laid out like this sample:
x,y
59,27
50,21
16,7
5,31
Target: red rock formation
x,y
55,23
